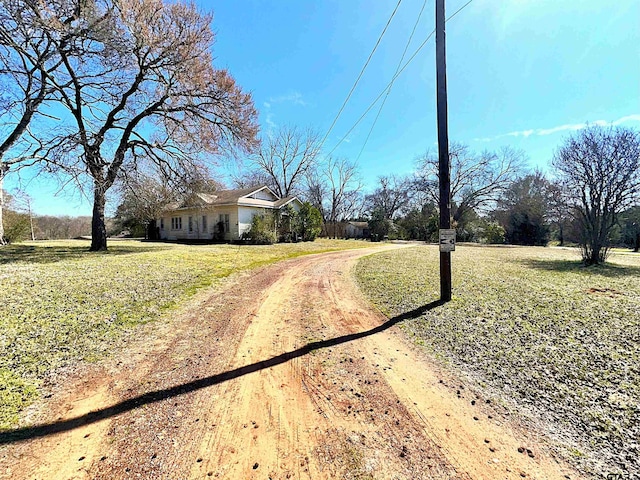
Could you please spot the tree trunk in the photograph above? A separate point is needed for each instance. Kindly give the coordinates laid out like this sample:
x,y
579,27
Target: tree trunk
x,y
636,249
98,228
561,236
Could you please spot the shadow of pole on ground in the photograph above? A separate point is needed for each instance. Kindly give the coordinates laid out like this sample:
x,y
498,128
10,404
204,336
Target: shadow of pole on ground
x,y
36,431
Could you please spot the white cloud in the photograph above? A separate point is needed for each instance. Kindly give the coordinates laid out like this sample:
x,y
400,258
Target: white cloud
x,y
269,121
522,133
268,117
628,118
569,127
293,97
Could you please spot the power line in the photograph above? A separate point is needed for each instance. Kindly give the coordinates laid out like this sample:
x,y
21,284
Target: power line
x,y
383,92
361,73
393,80
424,4
458,11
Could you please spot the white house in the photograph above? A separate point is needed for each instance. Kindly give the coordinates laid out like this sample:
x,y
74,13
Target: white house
x,y
357,230
224,215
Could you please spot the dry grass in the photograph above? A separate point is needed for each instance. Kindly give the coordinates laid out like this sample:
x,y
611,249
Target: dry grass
x,y
557,338
61,303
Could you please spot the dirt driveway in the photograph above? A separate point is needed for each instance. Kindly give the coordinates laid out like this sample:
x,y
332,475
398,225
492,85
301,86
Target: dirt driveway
x,y
285,372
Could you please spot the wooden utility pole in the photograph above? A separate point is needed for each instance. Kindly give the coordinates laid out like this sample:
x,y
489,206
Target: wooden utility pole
x,y
443,157
33,235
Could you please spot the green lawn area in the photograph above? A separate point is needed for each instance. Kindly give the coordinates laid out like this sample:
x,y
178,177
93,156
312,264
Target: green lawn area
x,y
559,339
60,303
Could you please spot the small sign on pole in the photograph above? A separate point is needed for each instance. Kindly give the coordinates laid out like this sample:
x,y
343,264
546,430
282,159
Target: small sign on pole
x,y
447,239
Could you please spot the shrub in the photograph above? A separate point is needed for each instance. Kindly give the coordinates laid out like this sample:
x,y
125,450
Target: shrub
x,y
286,220
16,226
262,230
308,222
493,233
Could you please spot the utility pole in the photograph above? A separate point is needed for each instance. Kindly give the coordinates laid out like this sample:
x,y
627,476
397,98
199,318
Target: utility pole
x,y
33,235
446,243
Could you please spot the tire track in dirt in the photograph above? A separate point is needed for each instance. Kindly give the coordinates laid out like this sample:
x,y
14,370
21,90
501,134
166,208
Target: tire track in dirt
x,y
286,445
281,380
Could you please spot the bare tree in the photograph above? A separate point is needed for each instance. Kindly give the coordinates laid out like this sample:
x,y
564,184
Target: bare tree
x,y
142,200
559,208
334,189
600,167
285,157
249,178
392,195
138,83
477,180
316,194
144,195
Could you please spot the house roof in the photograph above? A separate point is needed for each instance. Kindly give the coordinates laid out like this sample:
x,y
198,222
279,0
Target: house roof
x,y
242,196
225,197
285,201
360,224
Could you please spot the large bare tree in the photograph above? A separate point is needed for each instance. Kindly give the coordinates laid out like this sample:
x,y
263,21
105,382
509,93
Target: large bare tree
x,y
285,157
477,180
392,195
138,85
600,167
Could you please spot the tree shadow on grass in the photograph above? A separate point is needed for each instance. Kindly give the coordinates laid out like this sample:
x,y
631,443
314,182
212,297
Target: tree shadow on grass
x,y
574,266
26,433
42,254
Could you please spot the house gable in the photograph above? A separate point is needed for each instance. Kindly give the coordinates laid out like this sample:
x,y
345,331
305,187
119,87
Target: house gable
x,y
263,193
293,201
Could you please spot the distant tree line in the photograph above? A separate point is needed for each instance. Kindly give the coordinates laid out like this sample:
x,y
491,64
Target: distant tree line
x,y
591,197
21,224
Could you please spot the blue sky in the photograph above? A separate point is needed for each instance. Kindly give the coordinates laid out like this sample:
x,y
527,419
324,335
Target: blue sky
x,y
523,73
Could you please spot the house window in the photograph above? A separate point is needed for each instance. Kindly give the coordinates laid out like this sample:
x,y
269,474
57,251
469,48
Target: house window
x,y
204,223
191,224
224,222
176,223
162,224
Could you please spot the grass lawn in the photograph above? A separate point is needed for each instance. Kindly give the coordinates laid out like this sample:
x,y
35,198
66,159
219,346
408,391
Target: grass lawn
x,y
60,303
557,338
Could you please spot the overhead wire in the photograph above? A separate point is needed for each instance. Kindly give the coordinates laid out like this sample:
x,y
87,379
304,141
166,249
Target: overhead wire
x,y
384,100
361,73
383,92
457,11
394,78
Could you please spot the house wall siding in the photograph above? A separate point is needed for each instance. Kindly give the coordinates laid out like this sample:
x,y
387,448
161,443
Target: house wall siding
x,y
245,215
197,233
263,195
